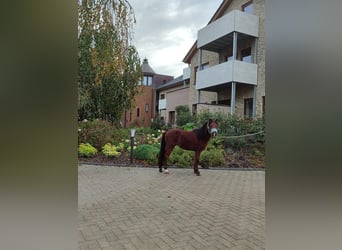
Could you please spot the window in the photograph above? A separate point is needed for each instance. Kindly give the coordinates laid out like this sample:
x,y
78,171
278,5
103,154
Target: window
x,y
147,80
248,7
147,107
248,108
138,112
246,55
162,96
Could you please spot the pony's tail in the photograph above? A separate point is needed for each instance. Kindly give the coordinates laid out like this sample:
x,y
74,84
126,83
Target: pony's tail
x,y
162,151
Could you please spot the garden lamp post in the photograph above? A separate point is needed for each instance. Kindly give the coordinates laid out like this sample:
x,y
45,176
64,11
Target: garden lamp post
x,y
132,144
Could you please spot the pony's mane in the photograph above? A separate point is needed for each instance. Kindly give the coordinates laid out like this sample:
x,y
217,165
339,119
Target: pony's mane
x,y
201,132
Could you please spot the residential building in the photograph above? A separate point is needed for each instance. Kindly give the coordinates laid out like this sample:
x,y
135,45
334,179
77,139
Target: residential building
x,y
172,94
145,106
227,62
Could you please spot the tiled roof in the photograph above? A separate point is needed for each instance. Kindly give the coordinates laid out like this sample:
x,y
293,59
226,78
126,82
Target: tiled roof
x,y
171,83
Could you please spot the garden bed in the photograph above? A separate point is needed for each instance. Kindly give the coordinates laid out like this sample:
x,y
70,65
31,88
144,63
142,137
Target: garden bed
x,y
101,143
241,159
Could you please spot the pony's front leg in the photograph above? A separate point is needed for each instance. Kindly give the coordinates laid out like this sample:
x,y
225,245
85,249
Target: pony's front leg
x,y
197,155
167,154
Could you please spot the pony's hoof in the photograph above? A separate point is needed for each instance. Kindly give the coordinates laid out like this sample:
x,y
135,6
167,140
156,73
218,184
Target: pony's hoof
x,y
166,171
160,170
198,173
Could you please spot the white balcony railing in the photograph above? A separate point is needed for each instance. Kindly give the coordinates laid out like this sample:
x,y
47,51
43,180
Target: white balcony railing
x,y
233,21
162,104
231,71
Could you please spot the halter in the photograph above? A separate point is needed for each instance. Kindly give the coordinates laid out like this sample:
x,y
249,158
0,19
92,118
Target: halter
x,y
211,130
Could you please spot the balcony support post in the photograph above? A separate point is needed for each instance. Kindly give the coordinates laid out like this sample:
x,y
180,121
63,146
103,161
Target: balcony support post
x,y
254,101
232,98
234,45
199,60
198,96
255,57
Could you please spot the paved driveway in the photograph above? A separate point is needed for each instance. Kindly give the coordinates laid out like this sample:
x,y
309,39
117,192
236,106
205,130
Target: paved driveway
x,y
140,208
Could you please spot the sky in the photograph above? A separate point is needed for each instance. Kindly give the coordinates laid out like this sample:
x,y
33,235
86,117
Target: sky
x,y
165,30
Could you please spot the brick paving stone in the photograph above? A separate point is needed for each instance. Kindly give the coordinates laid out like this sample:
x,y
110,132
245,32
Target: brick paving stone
x,y
139,208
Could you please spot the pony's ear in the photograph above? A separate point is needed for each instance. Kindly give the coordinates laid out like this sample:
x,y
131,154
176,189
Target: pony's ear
x,y
210,120
216,121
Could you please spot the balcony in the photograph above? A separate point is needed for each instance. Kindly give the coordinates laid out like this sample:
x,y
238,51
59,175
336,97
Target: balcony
x,y
162,104
231,71
220,31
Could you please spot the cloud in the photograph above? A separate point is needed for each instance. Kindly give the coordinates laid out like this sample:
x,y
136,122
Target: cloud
x,y
166,30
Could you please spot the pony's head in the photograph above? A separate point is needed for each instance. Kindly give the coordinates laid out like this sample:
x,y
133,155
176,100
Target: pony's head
x,y
212,127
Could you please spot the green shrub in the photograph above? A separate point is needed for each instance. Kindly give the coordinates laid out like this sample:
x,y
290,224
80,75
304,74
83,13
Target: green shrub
x,y
205,115
236,143
257,126
256,152
120,135
158,123
97,132
183,115
120,147
86,150
181,158
189,126
212,158
146,152
110,151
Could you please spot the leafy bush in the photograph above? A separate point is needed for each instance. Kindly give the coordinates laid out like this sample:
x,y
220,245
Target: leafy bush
x,y
205,115
110,151
158,123
146,152
120,135
212,158
189,126
120,146
257,126
97,132
256,152
181,158
236,143
183,115
86,150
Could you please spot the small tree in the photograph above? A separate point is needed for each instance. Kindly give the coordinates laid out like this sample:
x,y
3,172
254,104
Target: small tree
x,y
109,66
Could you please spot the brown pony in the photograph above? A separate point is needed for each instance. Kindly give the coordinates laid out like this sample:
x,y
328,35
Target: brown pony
x,y
195,140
